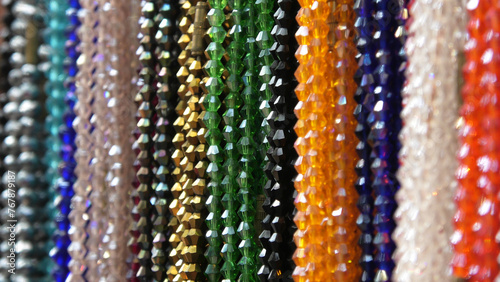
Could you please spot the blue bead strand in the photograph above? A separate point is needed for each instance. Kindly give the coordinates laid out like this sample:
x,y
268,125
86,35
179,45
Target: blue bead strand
x,y
64,22
385,126
365,98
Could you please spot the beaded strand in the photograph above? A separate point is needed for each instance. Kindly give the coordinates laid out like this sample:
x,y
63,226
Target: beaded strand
x,y
212,118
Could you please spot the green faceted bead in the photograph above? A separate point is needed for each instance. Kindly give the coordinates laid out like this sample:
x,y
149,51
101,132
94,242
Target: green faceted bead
x,y
229,234
246,230
264,40
245,145
218,4
247,247
215,85
217,34
231,117
230,253
237,34
229,185
264,125
213,255
215,51
265,74
234,83
215,188
236,52
212,120
247,263
213,272
231,167
235,4
249,93
214,68
214,137
233,100
213,221
213,204
266,22
247,211
265,6
230,135
214,153
266,94
214,239
229,269
231,151
228,200
250,277
214,103
214,171
216,17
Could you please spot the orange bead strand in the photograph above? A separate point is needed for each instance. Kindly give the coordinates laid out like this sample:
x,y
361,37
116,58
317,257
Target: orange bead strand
x,y
476,220
327,234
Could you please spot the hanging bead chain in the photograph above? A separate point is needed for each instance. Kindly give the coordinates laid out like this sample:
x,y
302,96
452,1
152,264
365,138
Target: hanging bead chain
x,y
429,137
341,211
302,221
264,40
324,108
250,178
61,139
231,118
119,75
55,106
166,95
7,148
383,138
364,97
145,99
78,217
25,146
186,141
68,135
166,36
184,168
215,86
97,258
133,243
476,220
277,236
196,243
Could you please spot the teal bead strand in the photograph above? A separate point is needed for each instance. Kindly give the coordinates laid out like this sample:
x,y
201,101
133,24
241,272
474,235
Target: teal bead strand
x,y
57,23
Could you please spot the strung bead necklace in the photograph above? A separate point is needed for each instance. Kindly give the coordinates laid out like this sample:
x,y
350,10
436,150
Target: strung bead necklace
x,y
278,226
429,115
25,146
215,86
61,141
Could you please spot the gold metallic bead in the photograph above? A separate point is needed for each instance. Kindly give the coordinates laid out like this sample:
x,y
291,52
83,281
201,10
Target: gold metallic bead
x,y
177,156
196,220
199,186
179,124
201,168
174,206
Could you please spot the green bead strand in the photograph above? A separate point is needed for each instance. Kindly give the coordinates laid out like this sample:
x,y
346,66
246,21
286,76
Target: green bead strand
x,y
231,117
212,119
250,178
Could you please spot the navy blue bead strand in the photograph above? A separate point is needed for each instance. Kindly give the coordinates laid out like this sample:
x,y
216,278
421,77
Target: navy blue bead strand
x,y
385,127
364,96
